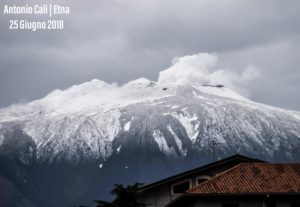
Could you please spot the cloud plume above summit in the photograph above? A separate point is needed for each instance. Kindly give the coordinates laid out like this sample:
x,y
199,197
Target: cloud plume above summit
x,y
202,68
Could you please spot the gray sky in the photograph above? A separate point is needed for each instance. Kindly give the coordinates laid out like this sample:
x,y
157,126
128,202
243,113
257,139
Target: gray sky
x,y
121,40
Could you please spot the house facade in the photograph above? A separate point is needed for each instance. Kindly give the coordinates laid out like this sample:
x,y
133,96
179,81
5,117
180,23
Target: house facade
x,y
161,193
236,181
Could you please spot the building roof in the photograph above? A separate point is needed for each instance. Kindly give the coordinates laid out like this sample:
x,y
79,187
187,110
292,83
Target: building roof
x,y
232,159
251,178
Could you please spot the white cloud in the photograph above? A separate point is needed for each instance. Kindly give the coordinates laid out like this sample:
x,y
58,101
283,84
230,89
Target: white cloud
x,y
202,68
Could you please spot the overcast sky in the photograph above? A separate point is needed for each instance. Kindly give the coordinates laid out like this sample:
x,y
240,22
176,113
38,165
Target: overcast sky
x,y
118,41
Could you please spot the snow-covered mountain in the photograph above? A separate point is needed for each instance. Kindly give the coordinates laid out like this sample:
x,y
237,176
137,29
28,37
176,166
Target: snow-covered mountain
x,y
87,120
145,123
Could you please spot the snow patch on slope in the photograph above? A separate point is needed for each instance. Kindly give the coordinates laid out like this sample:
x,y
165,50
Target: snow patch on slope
x,y
177,140
190,123
119,148
127,125
162,144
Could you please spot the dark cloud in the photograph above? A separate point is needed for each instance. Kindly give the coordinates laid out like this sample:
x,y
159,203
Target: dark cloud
x,y
120,40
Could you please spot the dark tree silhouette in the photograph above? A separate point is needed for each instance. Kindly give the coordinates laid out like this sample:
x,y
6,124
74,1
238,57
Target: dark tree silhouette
x,y
124,197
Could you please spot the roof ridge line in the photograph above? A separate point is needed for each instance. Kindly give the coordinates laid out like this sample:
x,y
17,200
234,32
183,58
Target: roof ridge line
x,y
217,176
275,163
